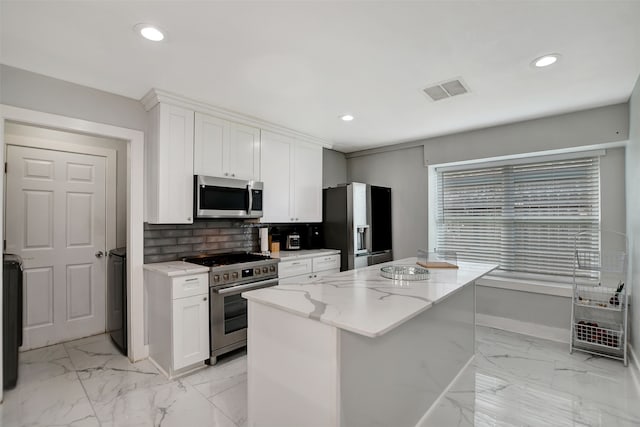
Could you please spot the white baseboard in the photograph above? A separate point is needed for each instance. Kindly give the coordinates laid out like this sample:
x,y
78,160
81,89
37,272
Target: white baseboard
x,y
526,328
634,366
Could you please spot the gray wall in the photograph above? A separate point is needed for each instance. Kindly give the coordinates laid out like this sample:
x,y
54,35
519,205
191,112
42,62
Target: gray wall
x,y
588,127
24,89
334,168
404,172
33,91
403,168
633,209
547,310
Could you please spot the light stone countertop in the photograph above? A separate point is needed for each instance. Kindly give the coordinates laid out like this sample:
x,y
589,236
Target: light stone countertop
x,y
303,253
363,302
176,268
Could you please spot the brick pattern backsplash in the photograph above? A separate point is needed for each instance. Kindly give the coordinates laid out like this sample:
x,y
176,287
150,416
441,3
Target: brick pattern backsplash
x,y
170,242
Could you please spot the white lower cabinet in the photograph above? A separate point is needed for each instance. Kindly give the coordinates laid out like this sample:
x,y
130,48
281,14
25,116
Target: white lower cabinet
x,y
190,330
306,270
178,316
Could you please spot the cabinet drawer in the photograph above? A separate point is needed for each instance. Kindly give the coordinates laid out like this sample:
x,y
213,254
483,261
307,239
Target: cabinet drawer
x,y
294,268
328,262
186,286
297,280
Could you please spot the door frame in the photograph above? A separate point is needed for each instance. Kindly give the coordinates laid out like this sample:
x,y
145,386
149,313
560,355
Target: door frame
x,y
110,180
135,207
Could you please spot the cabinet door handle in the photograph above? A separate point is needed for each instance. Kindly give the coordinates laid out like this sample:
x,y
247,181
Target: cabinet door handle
x,y
204,299
233,174
226,174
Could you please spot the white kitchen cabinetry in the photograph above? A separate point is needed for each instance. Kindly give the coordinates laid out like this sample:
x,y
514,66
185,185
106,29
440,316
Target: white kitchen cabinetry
x,y
292,176
169,157
178,321
305,270
226,149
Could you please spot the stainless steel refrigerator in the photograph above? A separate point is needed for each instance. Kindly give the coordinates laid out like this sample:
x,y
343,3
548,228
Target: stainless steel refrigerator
x,y
357,220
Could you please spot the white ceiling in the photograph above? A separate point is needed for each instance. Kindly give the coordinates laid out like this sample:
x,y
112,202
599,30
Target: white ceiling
x,y
302,64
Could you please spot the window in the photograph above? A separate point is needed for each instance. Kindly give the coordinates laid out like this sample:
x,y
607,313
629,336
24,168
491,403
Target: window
x,y
522,216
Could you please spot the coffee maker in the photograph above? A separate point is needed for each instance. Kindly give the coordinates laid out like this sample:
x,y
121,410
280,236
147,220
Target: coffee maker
x,y
292,243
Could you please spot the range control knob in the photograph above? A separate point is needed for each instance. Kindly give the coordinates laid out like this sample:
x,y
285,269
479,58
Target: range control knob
x,y
216,278
265,269
272,268
234,275
256,271
225,276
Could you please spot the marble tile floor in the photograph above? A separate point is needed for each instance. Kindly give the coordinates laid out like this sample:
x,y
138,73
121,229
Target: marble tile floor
x,y
514,380
89,383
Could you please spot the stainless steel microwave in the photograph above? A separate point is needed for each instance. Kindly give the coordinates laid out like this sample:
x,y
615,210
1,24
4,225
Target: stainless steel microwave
x,y
226,198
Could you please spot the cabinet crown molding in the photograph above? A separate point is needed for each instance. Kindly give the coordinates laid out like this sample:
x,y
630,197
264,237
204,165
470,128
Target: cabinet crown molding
x,y
156,96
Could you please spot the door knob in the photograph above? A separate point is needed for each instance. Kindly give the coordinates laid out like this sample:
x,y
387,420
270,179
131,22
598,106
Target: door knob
x,y
99,254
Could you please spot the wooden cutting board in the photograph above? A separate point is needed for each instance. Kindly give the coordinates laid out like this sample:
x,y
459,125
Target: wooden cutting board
x,y
436,264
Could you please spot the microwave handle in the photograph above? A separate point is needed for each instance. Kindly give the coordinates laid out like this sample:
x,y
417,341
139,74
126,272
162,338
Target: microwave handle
x,y
250,199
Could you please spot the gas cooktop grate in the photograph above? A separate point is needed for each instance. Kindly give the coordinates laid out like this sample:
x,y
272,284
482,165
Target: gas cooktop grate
x,y
225,259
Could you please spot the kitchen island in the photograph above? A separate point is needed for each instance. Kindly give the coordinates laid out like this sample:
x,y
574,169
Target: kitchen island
x,y
357,349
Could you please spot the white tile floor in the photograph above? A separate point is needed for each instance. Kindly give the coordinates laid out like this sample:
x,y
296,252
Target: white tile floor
x,y
513,381
89,383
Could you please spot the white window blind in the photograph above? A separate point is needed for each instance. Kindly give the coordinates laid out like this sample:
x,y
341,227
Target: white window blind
x,y
523,217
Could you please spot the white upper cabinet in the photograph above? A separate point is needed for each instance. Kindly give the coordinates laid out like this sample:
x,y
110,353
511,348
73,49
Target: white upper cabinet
x,y
276,176
292,176
169,151
208,153
307,177
244,151
226,149
188,138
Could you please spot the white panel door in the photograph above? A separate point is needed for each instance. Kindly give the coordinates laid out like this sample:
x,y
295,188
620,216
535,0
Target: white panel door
x,y
307,177
55,220
276,175
190,330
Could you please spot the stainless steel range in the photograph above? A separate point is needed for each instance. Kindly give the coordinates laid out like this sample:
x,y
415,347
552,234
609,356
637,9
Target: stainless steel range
x,y
230,275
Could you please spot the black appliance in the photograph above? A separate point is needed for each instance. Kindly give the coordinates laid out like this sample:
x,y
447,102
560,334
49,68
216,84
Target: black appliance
x,y
117,298
226,198
357,220
230,275
12,318
315,238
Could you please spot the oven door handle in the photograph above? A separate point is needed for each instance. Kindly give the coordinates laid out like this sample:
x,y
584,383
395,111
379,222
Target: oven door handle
x,y
246,287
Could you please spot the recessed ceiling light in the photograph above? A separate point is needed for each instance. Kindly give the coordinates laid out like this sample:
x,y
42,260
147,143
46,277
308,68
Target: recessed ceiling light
x,y
149,32
546,60
347,117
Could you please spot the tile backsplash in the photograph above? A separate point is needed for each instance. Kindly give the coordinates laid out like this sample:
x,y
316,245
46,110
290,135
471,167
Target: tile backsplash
x,y
170,242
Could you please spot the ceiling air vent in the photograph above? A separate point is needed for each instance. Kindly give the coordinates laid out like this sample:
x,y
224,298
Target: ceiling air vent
x,y
446,89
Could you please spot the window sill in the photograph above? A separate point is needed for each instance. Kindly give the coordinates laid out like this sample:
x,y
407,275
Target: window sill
x,y
527,285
